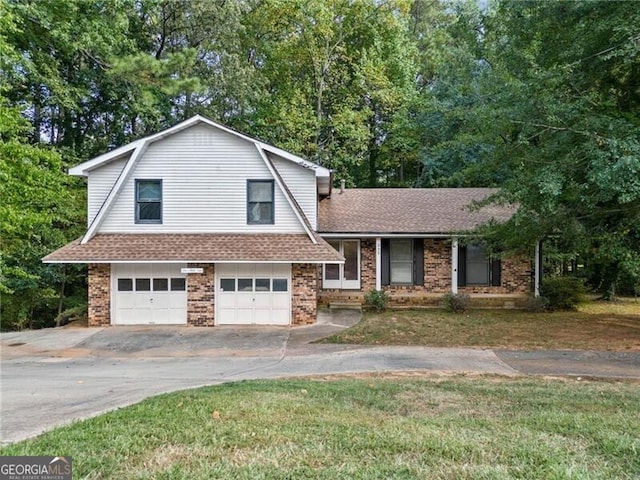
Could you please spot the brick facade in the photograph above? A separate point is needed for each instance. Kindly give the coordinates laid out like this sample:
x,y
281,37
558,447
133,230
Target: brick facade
x,y
200,296
515,280
304,288
99,280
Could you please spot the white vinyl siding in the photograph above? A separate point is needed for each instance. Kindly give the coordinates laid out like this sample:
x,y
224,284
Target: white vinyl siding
x,y
204,174
302,185
99,184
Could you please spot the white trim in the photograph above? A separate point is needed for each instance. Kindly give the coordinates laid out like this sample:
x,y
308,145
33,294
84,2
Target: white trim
x,y
454,266
85,167
341,283
287,194
115,191
80,262
389,235
378,263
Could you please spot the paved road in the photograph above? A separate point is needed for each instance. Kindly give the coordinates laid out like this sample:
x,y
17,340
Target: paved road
x,y
53,377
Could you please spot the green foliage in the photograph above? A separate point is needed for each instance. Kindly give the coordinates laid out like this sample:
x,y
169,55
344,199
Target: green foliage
x,y
456,302
542,100
376,301
338,76
562,292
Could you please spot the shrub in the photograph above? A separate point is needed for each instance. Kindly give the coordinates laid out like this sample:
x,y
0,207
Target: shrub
x,y
376,301
536,304
456,302
563,293
78,312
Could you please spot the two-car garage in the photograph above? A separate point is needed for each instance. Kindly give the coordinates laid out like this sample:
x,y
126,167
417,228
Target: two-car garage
x,y
157,294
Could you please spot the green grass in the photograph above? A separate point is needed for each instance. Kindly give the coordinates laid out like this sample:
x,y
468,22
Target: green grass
x,y
593,327
406,426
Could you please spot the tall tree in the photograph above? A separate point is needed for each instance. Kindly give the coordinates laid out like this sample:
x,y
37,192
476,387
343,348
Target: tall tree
x,y
38,209
565,137
337,74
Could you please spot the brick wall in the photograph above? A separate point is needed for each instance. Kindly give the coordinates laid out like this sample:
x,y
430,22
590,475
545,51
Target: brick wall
x,y
99,280
515,278
304,287
200,296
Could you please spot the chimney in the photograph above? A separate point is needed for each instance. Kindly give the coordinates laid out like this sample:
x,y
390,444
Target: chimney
x,y
342,185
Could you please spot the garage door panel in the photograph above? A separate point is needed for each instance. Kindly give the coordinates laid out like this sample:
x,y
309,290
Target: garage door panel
x,y
258,293
280,301
149,294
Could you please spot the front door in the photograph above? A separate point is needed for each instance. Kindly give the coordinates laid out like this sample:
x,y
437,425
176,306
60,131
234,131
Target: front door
x,y
343,276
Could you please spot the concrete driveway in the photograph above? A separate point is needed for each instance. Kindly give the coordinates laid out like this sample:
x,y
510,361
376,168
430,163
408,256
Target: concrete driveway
x,y
53,377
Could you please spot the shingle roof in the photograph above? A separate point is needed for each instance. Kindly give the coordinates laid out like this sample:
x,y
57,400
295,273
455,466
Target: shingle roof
x,y
407,210
196,248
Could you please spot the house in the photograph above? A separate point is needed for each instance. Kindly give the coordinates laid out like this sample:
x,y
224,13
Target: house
x,y
204,226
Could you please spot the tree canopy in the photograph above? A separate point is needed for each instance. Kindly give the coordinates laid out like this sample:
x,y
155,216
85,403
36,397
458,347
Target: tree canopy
x,y
538,98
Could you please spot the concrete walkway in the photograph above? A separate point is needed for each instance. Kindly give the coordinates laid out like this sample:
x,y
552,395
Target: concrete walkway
x,y
53,377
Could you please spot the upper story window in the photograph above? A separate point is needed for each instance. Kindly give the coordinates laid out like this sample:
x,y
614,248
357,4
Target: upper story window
x,y
260,202
148,201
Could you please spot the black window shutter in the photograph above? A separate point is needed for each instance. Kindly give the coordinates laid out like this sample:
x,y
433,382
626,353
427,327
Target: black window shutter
x,y
496,267
462,266
418,261
384,254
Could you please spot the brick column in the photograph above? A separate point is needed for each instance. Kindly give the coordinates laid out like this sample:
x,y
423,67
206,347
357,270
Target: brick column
x,y
304,302
200,296
99,308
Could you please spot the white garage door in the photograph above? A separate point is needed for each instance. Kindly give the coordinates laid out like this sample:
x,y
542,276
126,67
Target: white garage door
x,y
149,294
253,294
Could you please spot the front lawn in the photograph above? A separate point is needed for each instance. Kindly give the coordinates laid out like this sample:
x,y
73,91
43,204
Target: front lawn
x,y
402,426
596,326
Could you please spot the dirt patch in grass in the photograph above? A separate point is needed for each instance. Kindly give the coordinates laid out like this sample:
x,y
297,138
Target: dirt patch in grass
x,y
590,328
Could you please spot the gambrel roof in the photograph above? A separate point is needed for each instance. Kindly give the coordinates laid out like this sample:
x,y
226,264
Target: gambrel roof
x,y
134,151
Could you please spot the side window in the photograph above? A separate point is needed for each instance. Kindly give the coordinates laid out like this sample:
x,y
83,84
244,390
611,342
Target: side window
x,y
148,201
477,265
401,261
260,202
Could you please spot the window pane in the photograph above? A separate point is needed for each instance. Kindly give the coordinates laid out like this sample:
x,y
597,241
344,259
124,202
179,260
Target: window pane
x,y
350,252
125,285
402,272
280,284
178,285
160,284
149,211
143,284
227,284
149,191
261,212
263,284
475,253
332,271
260,191
245,284
401,250
477,266
401,260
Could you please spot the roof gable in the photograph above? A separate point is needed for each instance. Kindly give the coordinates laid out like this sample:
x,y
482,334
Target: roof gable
x,y
84,168
136,150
